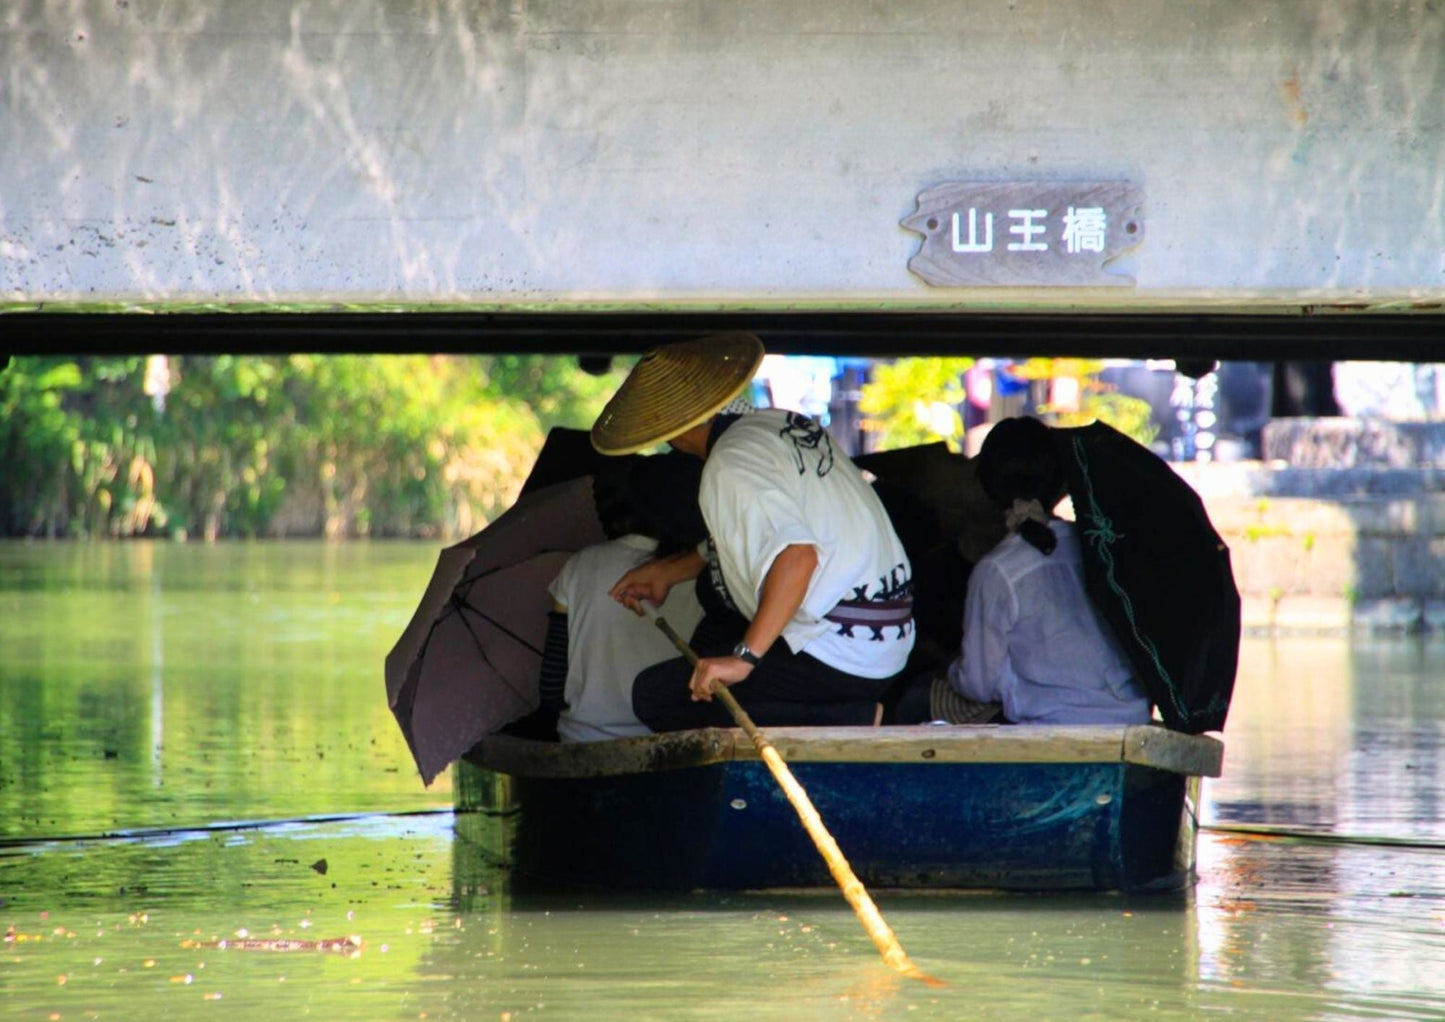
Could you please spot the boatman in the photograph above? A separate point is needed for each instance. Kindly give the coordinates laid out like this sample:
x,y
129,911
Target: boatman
x,y
798,541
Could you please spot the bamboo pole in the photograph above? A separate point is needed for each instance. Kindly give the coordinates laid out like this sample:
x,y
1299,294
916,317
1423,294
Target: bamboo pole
x,y
873,922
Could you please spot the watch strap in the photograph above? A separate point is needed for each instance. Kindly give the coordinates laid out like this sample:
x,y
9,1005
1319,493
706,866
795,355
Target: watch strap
x,y
742,652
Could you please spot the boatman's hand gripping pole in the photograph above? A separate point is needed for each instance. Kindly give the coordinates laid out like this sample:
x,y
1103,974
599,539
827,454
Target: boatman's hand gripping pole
x,y
853,889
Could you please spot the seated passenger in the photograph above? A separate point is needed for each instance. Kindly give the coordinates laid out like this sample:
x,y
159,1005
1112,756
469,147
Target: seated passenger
x,y
801,543
595,646
1032,639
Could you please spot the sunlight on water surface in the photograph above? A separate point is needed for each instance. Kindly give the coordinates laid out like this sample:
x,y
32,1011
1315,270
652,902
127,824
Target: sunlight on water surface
x,y
161,690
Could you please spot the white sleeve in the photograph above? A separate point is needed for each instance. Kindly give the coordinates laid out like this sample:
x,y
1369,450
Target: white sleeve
x,y
754,521
989,612
561,589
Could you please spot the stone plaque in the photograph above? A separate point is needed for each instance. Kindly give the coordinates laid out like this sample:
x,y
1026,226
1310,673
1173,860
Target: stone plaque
x,y
989,234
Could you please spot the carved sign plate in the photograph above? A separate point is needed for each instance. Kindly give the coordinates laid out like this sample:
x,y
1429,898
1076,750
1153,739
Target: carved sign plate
x,y
990,234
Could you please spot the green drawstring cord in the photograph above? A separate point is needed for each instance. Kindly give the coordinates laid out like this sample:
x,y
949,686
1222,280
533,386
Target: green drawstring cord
x,y
1101,534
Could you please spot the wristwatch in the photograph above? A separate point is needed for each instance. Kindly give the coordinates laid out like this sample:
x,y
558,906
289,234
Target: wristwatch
x,y
742,652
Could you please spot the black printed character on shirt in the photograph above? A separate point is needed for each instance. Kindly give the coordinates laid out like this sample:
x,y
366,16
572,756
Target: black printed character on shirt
x,y
809,438
713,568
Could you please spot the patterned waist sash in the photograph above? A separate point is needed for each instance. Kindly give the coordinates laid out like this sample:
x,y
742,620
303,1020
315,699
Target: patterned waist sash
x,y
875,614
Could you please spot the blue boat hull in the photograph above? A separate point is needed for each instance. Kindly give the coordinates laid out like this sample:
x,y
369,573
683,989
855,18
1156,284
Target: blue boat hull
x,y
727,826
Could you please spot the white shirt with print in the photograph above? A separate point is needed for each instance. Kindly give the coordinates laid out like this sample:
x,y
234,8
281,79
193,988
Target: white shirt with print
x,y
773,479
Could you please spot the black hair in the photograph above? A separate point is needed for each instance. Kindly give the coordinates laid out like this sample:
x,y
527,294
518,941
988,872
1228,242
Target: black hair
x,y
1018,461
611,496
662,492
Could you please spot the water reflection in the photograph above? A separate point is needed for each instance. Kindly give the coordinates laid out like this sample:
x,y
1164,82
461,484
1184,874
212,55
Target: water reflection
x,y
803,954
244,682
152,685
133,924
126,928
1339,737
1336,735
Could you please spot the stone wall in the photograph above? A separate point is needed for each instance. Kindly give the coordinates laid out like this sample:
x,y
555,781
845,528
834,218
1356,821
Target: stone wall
x,y
1344,529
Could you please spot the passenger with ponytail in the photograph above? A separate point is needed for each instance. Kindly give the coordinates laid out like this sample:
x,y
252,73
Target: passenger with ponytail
x,y
1032,640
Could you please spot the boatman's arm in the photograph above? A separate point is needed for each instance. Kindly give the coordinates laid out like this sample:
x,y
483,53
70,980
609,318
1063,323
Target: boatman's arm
x,y
653,580
782,593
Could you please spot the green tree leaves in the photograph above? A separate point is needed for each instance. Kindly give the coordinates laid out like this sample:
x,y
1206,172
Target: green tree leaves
x,y
231,445
915,401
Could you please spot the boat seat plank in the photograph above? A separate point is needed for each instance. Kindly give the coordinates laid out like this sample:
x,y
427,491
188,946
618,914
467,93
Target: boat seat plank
x,y
673,750
1144,745
1193,755
976,743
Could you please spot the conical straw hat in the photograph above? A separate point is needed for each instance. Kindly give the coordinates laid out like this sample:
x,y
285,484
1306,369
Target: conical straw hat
x,y
674,388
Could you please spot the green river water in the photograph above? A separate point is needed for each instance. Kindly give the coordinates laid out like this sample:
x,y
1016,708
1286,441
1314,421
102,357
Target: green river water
x,y
195,747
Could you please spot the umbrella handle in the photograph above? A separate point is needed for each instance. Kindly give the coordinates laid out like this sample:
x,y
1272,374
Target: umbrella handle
x,y
873,922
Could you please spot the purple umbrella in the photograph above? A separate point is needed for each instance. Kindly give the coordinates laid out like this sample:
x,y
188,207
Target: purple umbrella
x,y
468,663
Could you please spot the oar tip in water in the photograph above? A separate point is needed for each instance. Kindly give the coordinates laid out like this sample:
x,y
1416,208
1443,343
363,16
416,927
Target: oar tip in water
x,y
853,890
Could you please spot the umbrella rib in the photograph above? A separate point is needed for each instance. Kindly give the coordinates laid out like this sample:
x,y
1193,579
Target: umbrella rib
x,y
457,605
469,580
462,605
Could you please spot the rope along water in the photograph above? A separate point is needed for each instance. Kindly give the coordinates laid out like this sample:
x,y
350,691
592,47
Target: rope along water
x,y
151,833
1268,832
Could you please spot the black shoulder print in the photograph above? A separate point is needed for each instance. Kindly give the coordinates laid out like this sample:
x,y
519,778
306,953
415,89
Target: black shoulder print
x,y
809,440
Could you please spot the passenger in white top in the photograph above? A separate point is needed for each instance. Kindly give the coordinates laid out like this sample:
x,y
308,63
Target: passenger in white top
x,y
607,644
1032,638
595,646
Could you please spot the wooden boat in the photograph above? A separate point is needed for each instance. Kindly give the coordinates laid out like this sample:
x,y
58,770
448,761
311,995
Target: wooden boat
x,y
1002,807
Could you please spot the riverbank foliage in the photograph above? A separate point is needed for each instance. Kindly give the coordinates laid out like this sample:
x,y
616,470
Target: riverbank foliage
x,y
298,445
918,400
915,401
349,445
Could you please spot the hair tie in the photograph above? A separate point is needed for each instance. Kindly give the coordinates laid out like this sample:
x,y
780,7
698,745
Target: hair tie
x,y
1024,511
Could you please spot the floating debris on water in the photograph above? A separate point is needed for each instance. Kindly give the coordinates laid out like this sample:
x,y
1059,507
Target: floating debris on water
x,y
349,945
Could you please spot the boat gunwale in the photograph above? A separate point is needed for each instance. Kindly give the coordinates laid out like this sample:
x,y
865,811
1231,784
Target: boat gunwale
x,y
1148,745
